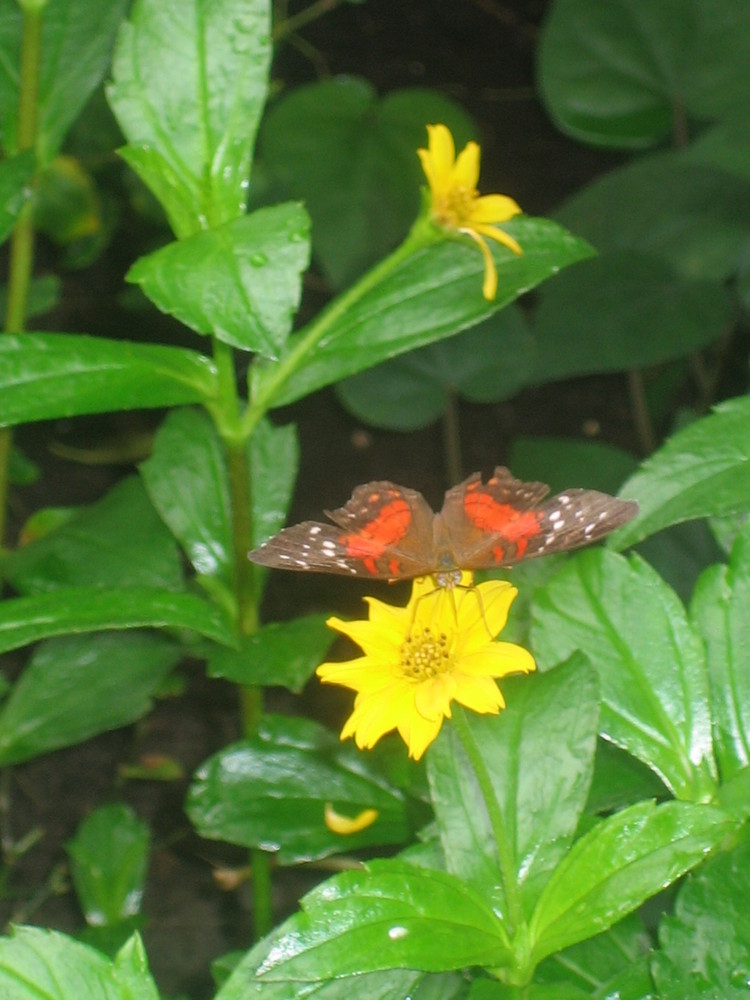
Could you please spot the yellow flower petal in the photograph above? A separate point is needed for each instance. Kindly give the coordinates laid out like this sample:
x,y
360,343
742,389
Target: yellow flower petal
x,y
466,169
494,208
489,285
347,825
499,235
418,732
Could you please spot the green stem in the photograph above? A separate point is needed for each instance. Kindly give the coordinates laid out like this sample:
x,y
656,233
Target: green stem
x,y
310,336
514,916
226,414
21,255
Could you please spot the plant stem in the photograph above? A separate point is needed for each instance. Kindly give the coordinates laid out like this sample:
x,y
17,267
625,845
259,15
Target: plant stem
x,y
514,916
21,255
639,406
309,337
250,698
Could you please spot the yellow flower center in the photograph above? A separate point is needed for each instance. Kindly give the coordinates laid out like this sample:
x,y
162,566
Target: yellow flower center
x,y
425,654
455,206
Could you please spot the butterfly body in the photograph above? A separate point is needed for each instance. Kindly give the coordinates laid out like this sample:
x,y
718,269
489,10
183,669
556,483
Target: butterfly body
x,y
390,532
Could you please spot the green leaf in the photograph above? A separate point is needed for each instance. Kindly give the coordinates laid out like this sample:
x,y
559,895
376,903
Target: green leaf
x,y
190,109
44,294
108,861
391,915
85,609
563,463
705,944
76,45
486,364
716,82
601,966
620,780
698,224
550,718
44,376
274,459
433,294
608,73
352,156
281,653
78,686
16,174
624,310
186,480
721,611
119,541
240,281
650,661
131,975
702,470
270,791
615,867
726,146
36,963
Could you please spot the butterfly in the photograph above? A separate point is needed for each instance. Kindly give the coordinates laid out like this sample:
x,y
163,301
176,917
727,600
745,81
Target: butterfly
x,y
390,532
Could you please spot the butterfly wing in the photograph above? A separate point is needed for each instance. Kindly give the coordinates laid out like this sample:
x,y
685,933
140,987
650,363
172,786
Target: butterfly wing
x,y
384,531
504,520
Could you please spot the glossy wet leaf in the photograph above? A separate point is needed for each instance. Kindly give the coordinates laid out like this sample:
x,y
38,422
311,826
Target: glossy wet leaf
x,y
624,310
283,654
24,620
433,294
698,223
702,470
240,281
118,541
705,943
273,453
650,661
44,376
190,109
76,47
486,364
186,480
721,611
620,863
36,964
391,915
539,755
108,861
350,155
270,791
77,686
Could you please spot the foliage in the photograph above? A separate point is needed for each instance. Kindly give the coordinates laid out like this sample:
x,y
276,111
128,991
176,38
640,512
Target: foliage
x,y
518,857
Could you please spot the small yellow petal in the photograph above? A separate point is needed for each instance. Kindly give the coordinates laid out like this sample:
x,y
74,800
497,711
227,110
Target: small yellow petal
x,y
494,208
500,236
489,285
466,170
418,732
480,694
347,825
433,698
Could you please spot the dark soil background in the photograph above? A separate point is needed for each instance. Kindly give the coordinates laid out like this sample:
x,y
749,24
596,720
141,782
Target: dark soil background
x,y
481,53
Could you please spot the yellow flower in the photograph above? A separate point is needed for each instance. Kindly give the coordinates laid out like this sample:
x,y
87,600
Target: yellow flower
x,y
456,203
418,659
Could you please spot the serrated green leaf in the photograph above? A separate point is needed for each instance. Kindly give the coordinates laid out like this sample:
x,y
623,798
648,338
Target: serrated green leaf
x,y
75,687
240,281
702,470
705,945
698,224
186,480
624,310
352,158
190,110
76,44
270,791
433,294
280,654
615,867
486,364
44,376
550,718
24,620
634,52
117,541
650,661
36,963
721,610
391,915
16,173
109,856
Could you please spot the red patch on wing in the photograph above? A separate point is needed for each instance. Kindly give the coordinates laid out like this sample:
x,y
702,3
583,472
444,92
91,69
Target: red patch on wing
x,y
387,527
515,526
